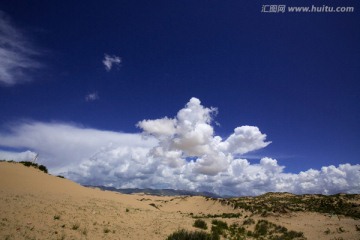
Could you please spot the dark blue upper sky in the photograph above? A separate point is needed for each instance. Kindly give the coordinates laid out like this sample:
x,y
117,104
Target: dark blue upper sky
x,y
294,75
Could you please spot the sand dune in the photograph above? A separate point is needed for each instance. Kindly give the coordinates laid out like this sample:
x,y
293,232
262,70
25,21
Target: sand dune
x,y
35,205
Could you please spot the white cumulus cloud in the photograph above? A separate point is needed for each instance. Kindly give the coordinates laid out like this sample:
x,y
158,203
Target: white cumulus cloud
x,y
17,54
109,61
245,139
182,152
159,127
190,135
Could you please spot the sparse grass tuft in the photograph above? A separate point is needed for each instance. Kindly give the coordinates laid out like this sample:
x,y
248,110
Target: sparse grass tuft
x,y
75,226
199,223
249,221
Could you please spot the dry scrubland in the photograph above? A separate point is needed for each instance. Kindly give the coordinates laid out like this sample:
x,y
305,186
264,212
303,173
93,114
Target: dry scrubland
x,y
35,205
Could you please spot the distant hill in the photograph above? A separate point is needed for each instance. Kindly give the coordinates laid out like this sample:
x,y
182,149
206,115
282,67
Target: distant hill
x,y
157,192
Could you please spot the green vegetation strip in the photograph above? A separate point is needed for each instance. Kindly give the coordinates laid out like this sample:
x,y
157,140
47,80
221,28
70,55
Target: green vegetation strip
x,y
263,230
339,204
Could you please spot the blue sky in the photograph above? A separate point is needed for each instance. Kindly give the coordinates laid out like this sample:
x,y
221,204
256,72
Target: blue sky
x,y
292,76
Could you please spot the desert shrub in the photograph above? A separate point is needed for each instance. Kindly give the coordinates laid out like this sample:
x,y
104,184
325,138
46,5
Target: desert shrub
x,y
261,228
188,235
293,235
216,231
199,223
43,168
231,215
249,221
219,228
280,229
264,213
34,165
236,232
220,224
28,164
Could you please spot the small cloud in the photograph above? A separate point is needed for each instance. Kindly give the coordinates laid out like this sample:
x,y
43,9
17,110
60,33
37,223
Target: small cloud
x,y
92,97
16,54
109,61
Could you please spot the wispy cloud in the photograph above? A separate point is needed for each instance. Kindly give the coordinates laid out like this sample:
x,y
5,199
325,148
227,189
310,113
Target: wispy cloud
x,y
92,97
110,61
17,54
64,146
182,152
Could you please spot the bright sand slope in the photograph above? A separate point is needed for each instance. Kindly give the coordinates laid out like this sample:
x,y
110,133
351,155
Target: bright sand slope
x,y
35,205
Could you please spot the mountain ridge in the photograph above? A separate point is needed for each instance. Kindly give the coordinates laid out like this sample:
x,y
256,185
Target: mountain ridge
x,y
156,192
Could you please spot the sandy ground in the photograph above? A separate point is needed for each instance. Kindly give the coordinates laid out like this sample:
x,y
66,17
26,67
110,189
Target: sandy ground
x,y
35,205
